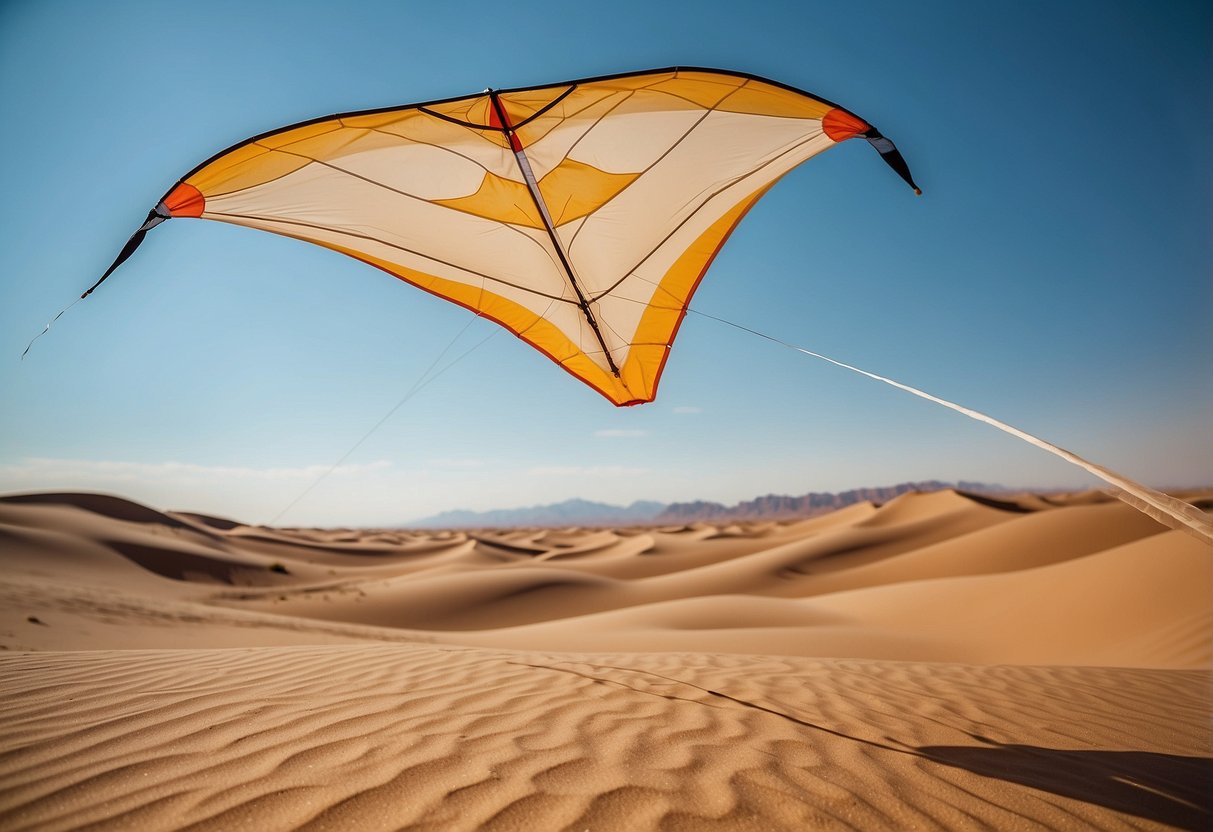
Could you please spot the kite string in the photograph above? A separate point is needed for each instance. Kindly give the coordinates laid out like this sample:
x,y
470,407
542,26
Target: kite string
x,y
1164,508
47,328
421,382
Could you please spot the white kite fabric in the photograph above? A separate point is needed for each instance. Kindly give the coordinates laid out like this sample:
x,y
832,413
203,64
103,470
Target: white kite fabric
x,y
1168,510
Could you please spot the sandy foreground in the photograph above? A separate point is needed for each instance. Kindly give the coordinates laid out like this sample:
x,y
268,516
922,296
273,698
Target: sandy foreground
x,y
942,661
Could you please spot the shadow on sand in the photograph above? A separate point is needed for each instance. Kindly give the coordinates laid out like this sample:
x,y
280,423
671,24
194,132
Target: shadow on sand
x,y
1165,788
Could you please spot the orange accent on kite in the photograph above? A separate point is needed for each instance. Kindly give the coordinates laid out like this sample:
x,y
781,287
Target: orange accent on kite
x,y
185,201
506,127
840,125
495,119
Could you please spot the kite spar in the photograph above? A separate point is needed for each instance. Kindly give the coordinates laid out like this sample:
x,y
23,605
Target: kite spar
x,y
580,216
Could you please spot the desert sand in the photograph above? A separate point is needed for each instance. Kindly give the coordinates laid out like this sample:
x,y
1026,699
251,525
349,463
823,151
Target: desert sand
x,y
943,661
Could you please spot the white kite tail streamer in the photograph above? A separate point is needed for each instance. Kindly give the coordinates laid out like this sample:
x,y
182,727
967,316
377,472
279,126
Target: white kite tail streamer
x,y
1164,508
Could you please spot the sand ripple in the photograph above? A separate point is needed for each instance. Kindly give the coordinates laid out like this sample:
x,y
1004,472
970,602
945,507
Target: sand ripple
x,y
389,737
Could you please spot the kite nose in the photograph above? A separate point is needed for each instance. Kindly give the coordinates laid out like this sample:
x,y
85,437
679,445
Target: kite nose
x,y
185,201
840,125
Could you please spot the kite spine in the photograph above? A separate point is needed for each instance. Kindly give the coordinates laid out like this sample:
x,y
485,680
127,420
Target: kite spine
x,y
533,188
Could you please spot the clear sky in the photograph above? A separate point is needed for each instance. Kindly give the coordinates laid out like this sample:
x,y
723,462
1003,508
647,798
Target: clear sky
x,y
1057,273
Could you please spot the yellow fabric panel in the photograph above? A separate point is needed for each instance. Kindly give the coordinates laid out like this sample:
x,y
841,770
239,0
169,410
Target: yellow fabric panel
x,y
661,319
255,164
540,127
523,322
640,372
503,200
586,95
592,101
615,390
474,109
705,91
352,140
662,90
655,100
633,82
243,168
478,110
573,106
308,131
520,106
575,189
422,127
763,99
496,137
375,121
327,146
589,102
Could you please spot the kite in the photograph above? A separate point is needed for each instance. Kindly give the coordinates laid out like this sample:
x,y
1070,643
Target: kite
x,y
581,216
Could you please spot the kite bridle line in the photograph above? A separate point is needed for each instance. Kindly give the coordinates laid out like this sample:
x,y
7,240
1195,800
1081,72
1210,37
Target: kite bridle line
x,y
421,383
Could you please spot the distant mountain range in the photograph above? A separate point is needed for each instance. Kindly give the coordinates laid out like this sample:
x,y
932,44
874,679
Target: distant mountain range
x,y
775,506
568,513
578,512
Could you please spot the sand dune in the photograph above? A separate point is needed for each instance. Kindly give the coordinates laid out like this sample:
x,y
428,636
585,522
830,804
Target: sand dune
x,y
941,661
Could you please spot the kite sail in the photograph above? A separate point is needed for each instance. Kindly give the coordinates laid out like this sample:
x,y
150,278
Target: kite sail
x,y
580,216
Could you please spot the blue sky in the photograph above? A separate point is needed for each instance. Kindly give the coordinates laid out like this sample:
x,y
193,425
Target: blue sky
x,y
1056,273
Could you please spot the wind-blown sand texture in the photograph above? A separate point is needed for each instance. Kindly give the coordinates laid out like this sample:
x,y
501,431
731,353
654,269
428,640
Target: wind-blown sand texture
x,y
942,661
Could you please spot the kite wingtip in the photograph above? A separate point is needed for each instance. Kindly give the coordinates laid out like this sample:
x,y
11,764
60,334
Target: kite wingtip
x,y
917,191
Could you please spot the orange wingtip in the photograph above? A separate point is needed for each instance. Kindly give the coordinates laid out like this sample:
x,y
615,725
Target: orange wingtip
x,y
185,201
840,125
